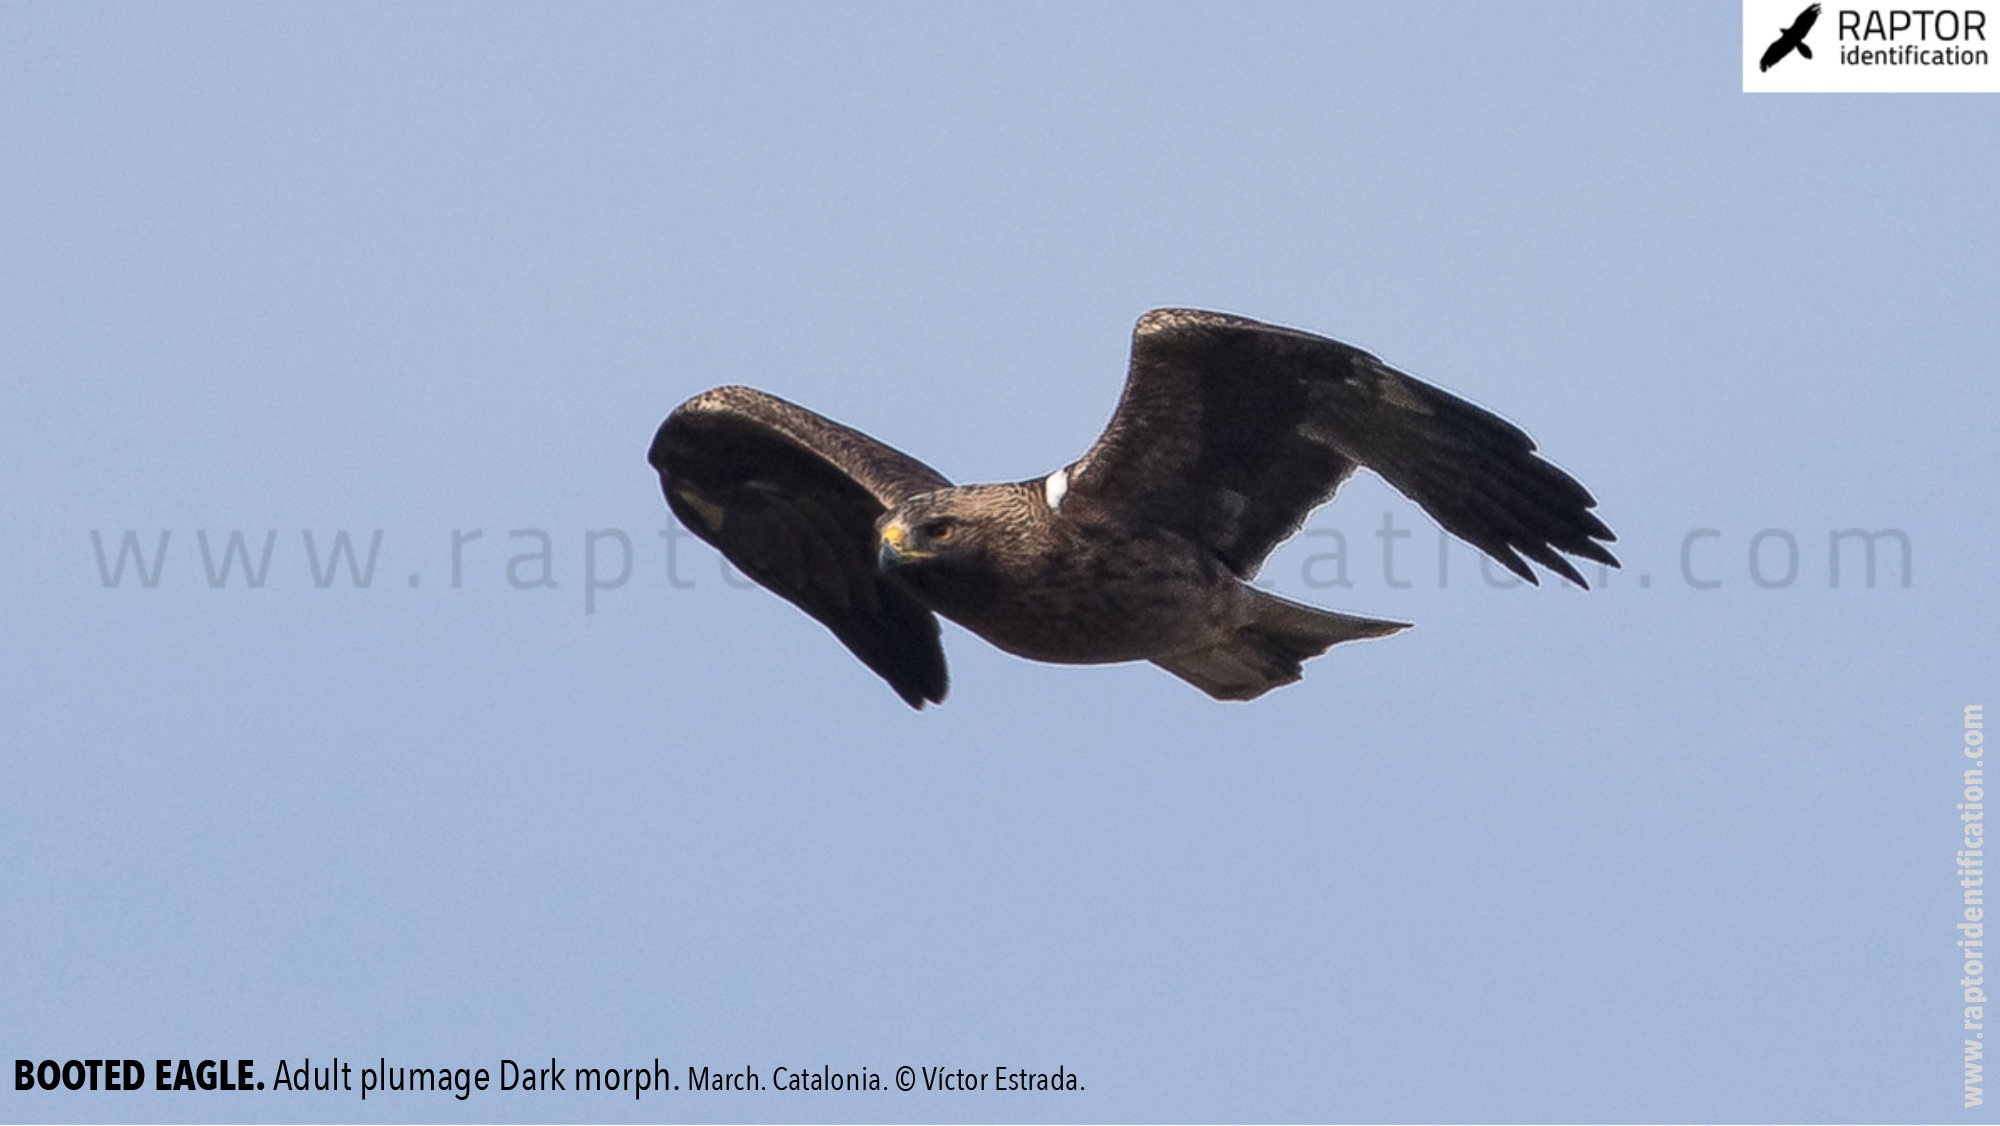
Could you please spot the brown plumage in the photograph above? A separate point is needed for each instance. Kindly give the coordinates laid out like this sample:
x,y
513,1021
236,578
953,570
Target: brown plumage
x,y
1228,434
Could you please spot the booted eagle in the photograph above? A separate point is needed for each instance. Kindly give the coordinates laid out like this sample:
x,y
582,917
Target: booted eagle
x,y
1228,434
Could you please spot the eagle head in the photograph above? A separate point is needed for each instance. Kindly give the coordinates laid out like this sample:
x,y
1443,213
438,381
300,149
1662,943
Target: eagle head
x,y
959,550
920,529
952,529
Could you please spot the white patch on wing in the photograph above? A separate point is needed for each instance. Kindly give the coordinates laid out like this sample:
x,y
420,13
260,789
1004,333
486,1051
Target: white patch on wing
x,y
1054,488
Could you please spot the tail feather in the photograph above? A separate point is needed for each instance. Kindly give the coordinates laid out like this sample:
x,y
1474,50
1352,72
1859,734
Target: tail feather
x,y
1270,649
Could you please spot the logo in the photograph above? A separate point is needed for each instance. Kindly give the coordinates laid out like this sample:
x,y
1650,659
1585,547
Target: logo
x,y
1850,47
1791,39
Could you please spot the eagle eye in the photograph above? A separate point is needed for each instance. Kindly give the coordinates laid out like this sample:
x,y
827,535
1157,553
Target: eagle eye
x,y
939,529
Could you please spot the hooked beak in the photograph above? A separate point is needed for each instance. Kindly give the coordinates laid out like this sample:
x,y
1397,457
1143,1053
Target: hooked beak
x,y
896,547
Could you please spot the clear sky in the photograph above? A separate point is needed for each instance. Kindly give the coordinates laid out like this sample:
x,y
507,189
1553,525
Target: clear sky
x,y
1662,851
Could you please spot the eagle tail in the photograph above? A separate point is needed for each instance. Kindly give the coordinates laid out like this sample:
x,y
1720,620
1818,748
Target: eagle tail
x,y
1267,652
1803,49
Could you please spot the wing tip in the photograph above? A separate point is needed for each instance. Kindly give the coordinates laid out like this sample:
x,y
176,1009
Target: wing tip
x,y
1550,554
1587,550
917,695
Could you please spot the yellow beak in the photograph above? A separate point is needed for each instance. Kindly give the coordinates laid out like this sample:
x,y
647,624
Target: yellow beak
x,y
896,547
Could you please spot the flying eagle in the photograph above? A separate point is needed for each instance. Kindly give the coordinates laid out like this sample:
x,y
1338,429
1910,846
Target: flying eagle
x,y
1228,434
1793,37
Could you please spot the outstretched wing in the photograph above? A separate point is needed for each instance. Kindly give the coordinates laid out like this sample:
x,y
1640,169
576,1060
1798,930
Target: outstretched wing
x,y
1804,23
1230,432
1777,50
791,497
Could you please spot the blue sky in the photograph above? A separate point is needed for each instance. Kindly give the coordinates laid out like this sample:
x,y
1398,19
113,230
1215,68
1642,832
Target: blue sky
x,y
1656,852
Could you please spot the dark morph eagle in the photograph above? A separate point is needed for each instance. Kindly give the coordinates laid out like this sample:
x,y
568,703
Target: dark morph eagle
x,y
1229,432
1793,37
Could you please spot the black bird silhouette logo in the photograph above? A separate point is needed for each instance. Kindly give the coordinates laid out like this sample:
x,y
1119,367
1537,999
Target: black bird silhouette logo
x,y
1793,37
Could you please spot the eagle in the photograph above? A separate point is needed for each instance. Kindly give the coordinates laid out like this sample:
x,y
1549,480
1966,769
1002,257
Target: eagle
x,y
1229,432
1791,38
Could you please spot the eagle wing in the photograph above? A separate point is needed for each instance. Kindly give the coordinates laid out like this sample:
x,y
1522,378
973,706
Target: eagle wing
x,y
791,497
1230,432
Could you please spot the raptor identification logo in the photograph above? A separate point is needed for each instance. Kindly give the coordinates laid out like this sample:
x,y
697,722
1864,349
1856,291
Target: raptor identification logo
x,y
1799,47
